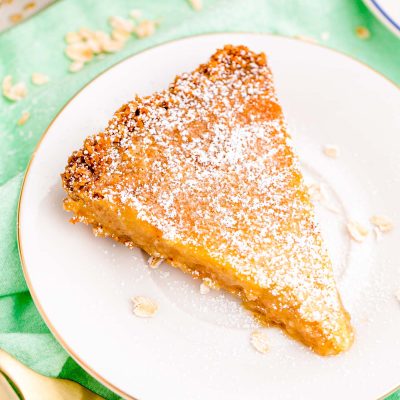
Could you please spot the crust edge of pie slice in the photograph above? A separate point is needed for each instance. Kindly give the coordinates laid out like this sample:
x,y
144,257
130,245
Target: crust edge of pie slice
x,y
203,175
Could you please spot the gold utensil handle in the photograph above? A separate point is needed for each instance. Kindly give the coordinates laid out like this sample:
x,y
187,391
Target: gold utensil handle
x,y
6,391
14,370
34,386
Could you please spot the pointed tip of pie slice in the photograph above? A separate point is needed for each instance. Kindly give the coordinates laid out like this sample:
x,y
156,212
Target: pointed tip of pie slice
x,y
328,337
203,174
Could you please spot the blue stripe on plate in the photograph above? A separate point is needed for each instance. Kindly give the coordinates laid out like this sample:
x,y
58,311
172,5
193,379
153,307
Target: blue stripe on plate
x,y
385,14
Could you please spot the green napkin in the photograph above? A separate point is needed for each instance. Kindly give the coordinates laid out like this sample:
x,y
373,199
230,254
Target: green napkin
x,y
37,45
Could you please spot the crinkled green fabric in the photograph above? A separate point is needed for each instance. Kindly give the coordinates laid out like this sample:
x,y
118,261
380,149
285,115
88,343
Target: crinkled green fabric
x,y
37,45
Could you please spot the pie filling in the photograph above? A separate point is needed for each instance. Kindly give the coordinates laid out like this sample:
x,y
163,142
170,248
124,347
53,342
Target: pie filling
x,y
125,228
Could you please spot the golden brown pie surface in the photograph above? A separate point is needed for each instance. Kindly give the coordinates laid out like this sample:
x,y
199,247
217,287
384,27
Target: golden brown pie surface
x,y
203,174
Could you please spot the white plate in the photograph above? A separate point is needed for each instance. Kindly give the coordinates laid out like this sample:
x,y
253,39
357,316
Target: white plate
x,y
388,11
197,346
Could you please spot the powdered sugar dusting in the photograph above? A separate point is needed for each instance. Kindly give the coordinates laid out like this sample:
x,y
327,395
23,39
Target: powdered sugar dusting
x,y
209,163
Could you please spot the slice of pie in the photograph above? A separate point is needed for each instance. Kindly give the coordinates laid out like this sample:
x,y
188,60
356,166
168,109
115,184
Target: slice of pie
x,y
203,174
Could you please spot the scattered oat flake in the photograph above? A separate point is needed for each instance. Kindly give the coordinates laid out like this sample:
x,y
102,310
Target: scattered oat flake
x,y
39,79
102,39
154,262
362,32
100,36
79,51
29,6
197,5
112,46
84,44
145,28
13,92
120,35
357,231
204,289
383,223
85,34
15,18
306,38
18,91
144,306
76,66
315,191
105,43
24,117
331,150
259,340
135,14
7,83
72,37
121,24
94,45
